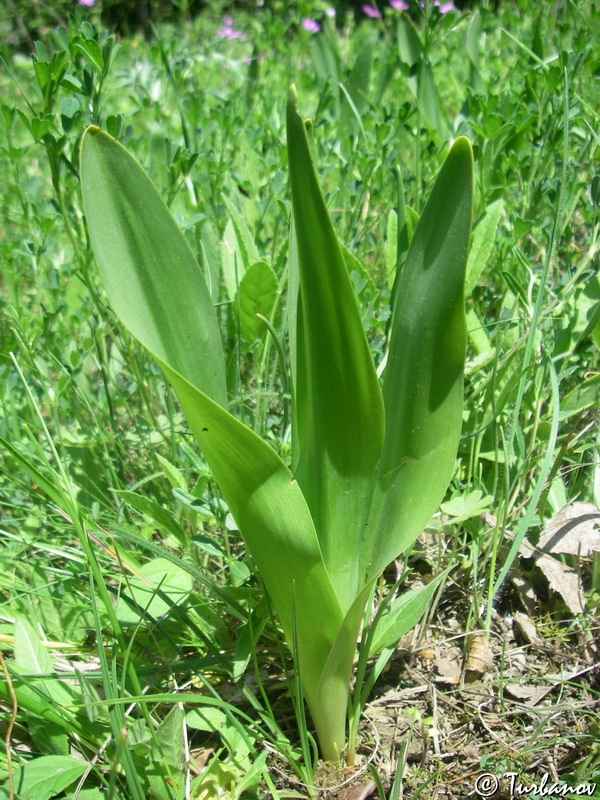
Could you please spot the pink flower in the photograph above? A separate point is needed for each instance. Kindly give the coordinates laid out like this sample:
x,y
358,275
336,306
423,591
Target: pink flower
x,y
86,2
399,5
310,25
443,8
228,21
227,32
370,11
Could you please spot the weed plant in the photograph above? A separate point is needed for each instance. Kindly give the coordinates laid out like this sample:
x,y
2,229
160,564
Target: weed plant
x,y
140,652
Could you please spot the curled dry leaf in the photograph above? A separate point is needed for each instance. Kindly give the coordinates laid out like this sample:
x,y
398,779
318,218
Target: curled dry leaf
x,y
479,658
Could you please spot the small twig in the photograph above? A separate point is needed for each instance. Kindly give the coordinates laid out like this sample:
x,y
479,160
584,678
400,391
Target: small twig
x,y
435,734
9,728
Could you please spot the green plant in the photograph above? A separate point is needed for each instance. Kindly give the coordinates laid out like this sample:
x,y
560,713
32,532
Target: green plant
x,y
370,464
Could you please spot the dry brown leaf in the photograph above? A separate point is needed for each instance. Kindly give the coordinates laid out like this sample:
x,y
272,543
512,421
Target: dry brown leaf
x,y
479,658
358,791
575,529
562,579
470,750
532,695
449,667
524,589
525,628
524,692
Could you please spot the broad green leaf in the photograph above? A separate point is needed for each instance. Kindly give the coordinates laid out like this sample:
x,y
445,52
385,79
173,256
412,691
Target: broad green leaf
x,y
581,398
91,50
410,48
428,99
214,719
402,615
477,332
138,247
232,260
163,786
245,239
247,639
423,379
467,506
296,347
420,80
391,245
273,517
44,777
56,493
211,263
412,220
595,334
159,515
341,435
62,694
354,265
473,35
207,718
262,495
158,577
174,476
329,711
91,794
403,234
360,77
587,310
169,735
481,246
49,738
31,657
472,46
325,58
357,89
257,293
33,698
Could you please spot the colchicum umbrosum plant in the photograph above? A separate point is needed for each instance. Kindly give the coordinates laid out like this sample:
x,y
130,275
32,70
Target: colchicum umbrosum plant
x,y
371,459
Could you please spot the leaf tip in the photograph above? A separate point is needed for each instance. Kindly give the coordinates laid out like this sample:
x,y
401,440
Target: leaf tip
x,y
462,146
91,130
92,133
